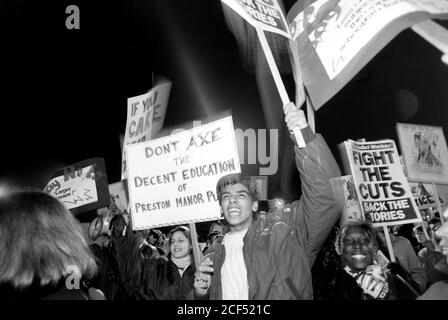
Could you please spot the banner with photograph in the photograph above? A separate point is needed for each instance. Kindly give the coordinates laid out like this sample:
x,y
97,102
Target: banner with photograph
x,y
335,39
424,195
172,180
345,192
381,185
82,186
424,151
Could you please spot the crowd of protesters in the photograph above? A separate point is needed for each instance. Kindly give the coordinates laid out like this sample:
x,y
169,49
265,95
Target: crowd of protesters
x,y
302,254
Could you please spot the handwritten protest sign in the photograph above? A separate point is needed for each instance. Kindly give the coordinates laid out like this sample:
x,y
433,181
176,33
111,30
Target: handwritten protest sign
x,y
266,14
82,186
345,192
381,186
145,117
336,38
424,151
172,180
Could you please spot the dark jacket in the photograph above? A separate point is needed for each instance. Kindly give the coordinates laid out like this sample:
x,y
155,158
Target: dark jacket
x,y
343,287
279,255
161,280
36,292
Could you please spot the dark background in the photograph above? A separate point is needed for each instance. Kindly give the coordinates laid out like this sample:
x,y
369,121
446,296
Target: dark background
x,y
63,92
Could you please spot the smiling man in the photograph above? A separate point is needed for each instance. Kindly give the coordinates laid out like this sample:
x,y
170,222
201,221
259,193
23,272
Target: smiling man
x,y
273,261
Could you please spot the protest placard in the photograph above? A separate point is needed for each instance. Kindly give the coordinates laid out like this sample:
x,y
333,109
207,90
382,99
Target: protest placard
x,y
172,180
345,192
382,188
82,186
424,195
335,39
268,15
264,13
119,194
424,151
262,187
145,116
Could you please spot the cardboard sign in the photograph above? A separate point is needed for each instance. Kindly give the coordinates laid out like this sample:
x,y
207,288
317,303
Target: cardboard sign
x,y
82,186
335,39
119,194
344,191
172,180
266,14
143,110
382,188
424,195
424,151
262,186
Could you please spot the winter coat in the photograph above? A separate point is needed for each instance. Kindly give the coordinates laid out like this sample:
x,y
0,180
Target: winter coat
x,y
161,280
279,255
343,287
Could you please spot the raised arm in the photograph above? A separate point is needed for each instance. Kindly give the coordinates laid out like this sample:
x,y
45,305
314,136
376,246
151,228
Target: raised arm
x,y
315,213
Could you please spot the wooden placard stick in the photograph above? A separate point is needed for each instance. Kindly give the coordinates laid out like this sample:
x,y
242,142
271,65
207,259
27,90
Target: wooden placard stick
x,y
278,81
197,253
389,244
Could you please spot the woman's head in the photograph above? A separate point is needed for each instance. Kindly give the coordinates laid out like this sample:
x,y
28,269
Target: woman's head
x,y
40,240
357,245
180,242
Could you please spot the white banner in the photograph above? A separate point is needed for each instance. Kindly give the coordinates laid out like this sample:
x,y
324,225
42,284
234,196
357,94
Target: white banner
x,y
172,180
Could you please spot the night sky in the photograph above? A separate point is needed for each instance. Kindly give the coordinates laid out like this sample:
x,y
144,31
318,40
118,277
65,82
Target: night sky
x,y
63,92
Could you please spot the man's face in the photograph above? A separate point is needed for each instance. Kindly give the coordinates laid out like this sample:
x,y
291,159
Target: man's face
x,y
357,249
237,206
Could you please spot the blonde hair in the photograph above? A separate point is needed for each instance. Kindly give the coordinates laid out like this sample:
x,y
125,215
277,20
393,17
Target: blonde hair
x,y
40,240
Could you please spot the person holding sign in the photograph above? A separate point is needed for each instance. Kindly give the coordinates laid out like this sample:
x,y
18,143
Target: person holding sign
x,y
273,262
156,278
439,290
359,276
408,265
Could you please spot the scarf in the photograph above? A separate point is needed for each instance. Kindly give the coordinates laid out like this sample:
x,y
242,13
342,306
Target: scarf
x,y
371,280
181,263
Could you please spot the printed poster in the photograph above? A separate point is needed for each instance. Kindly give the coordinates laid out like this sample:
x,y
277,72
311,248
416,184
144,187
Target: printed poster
x,y
335,39
424,151
344,191
382,188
